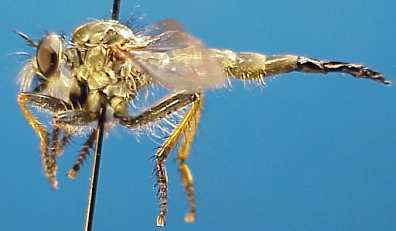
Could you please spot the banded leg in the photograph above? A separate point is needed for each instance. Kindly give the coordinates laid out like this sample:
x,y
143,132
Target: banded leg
x,y
60,138
75,118
161,110
162,186
53,105
55,141
254,66
59,142
82,155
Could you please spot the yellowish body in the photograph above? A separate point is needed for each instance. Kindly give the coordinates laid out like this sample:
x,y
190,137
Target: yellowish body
x,y
106,64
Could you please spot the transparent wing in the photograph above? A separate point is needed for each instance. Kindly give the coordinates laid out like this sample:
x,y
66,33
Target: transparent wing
x,y
176,59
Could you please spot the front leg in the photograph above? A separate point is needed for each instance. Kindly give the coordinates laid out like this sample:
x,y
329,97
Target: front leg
x,y
50,104
72,118
254,66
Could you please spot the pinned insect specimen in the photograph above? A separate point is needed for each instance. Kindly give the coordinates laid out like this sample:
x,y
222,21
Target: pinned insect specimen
x,y
88,82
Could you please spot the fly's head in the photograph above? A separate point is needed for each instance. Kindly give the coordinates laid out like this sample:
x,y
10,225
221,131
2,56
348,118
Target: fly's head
x,y
47,71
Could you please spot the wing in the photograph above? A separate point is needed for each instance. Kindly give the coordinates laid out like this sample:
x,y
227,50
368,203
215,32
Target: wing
x,y
176,59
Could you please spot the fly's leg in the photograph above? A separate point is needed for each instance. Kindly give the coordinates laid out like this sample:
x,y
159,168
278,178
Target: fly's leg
x,y
189,126
185,130
186,127
162,186
82,155
56,141
160,110
53,105
59,145
81,117
74,117
71,118
254,66
60,138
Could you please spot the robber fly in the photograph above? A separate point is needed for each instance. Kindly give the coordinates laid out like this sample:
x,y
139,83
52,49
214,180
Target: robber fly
x,y
97,73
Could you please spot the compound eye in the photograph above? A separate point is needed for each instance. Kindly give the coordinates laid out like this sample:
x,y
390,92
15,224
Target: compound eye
x,y
48,54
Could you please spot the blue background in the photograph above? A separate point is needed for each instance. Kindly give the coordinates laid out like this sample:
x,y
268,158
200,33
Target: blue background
x,y
307,152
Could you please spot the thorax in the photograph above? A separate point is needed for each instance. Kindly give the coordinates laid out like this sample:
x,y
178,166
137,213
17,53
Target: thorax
x,y
99,71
